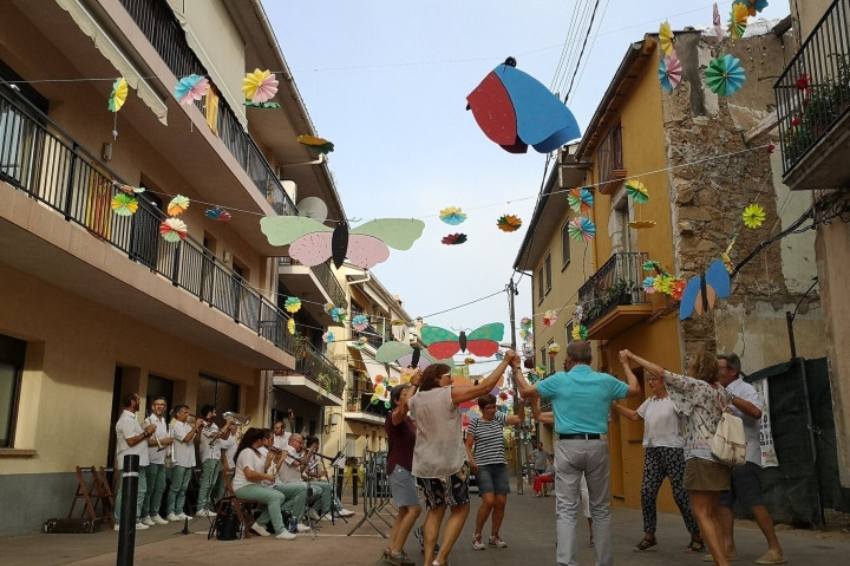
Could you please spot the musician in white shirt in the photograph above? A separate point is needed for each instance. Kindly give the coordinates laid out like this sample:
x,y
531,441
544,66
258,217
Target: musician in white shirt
x,y
228,447
132,439
210,458
158,444
182,461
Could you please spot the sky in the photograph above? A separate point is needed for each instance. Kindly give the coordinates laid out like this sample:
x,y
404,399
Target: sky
x,y
386,81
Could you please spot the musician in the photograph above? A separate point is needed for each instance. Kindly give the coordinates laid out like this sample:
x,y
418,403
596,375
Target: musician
x,y
158,444
182,461
289,482
281,437
210,457
227,446
316,474
132,439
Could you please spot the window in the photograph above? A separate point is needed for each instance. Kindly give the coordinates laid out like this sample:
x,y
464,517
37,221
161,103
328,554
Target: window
x,y
541,285
551,359
568,332
565,245
12,356
224,396
609,156
20,138
547,267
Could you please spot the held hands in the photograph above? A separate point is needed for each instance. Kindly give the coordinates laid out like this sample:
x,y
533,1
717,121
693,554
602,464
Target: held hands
x,y
625,356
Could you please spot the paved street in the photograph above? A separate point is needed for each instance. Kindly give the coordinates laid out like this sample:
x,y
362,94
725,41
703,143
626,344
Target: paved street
x,y
528,529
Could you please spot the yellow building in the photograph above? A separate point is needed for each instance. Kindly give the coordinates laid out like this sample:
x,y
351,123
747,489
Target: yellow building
x,y
702,161
95,305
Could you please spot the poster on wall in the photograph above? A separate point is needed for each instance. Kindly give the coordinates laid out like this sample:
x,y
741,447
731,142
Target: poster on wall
x,y
768,450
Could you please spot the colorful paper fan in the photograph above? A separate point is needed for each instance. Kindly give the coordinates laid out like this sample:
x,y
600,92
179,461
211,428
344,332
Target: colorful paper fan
x,y
753,216
718,24
259,86
553,349
525,323
753,6
665,38
670,72
328,337
454,239
119,95
649,285
320,145
549,318
124,205
292,304
677,290
338,314
218,214
178,205
453,215
191,88
290,326
580,332
637,191
738,21
509,223
173,230
725,75
582,229
360,322
642,224
580,200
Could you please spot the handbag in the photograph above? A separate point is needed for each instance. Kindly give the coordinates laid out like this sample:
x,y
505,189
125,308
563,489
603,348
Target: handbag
x,y
729,445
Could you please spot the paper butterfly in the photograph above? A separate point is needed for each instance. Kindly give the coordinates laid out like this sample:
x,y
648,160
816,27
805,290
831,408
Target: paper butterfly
x,y
702,291
444,343
312,243
406,356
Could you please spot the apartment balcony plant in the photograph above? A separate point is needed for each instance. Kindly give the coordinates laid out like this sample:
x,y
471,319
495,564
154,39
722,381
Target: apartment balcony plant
x,y
613,299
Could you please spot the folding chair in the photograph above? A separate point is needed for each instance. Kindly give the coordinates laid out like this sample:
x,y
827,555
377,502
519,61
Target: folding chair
x,y
92,494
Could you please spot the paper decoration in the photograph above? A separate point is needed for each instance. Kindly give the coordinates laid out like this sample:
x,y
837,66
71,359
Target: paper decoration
x,y
191,88
525,323
292,305
702,291
360,342
380,393
515,110
663,283
338,314
725,75
119,95
718,24
649,285
642,224
290,326
677,290
259,86
726,256
738,21
665,38
320,145
124,205
312,243
553,349
582,229
580,200
328,337
452,215
218,214
549,318
579,313
360,322
670,72
509,223
638,191
454,239
753,216
753,6
483,341
499,356
178,205
406,355
128,189
173,230
580,332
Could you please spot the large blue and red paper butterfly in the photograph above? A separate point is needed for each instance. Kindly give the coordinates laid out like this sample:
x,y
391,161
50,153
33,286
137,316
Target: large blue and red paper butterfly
x,y
311,242
444,343
702,291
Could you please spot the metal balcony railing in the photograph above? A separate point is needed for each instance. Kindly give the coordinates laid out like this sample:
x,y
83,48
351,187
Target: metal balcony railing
x,y
326,277
372,336
617,283
37,157
315,366
360,401
157,22
813,93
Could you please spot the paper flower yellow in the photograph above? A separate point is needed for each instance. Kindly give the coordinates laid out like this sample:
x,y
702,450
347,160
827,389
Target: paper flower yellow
x,y
290,326
579,332
553,349
292,304
753,216
259,86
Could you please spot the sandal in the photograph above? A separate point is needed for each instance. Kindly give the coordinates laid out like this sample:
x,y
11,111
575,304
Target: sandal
x,y
695,546
645,544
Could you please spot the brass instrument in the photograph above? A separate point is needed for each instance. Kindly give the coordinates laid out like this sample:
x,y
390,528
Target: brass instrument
x,y
238,420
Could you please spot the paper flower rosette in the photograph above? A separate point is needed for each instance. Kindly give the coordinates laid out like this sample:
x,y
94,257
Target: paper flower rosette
x,y
553,349
320,145
259,86
360,322
738,21
338,314
549,318
191,88
525,323
328,337
718,24
582,228
178,205
638,191
649,285
580,200
509,223
218,214
173,230
124,204
579,332
118,95
725,75
290,326
454,239
753,216
665,38
292,305
670,72
453,215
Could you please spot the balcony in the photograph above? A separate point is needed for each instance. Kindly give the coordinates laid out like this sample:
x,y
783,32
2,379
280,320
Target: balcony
x,y
39,159
613,299
315,377
372,336
157,22
813,106
359,408
317,284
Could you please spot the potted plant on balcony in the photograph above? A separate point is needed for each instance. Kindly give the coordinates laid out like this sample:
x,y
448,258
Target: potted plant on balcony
x,y
620,293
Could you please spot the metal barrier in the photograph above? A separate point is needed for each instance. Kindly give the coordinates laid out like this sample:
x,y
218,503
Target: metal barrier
x,y
377,502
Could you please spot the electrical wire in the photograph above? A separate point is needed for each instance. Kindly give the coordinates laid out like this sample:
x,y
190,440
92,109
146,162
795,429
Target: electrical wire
x,y
581,53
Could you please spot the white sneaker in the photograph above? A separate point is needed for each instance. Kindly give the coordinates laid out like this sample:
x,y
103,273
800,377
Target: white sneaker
x,y
204,513
260,530
326,517
174,518
346,513
302,528
148,521
141,526
184,516
285,535
159,520
313,514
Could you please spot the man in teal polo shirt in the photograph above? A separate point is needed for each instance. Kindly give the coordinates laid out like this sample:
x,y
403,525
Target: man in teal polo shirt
x,y
581,400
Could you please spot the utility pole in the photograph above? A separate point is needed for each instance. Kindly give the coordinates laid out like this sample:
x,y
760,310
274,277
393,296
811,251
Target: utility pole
x,y
512,292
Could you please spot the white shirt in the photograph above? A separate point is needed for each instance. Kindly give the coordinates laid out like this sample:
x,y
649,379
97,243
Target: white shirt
x,y
229,445
290,471
752,427
439,450
663,426
156,455
184,452
210,452
128,427
281,442
247,459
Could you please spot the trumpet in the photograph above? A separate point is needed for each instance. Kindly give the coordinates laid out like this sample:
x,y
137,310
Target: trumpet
x,y
238,420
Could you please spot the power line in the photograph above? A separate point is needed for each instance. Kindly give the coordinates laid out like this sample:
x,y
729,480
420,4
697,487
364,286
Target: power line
x,y
581,54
